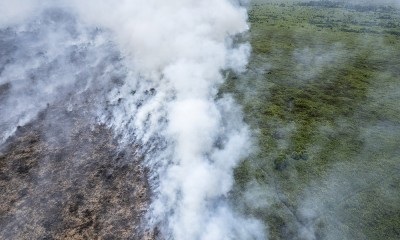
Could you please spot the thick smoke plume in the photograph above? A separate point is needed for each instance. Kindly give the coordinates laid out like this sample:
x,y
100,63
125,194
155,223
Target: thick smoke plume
x,y
174,52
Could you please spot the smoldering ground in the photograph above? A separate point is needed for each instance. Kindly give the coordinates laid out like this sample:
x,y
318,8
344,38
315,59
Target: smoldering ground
x,y
63,175
150,73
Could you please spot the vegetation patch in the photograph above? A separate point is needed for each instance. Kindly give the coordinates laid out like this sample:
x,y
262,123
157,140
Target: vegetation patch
x,y
322,76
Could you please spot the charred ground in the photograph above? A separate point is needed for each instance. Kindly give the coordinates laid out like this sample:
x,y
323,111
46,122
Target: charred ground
x,y
75,184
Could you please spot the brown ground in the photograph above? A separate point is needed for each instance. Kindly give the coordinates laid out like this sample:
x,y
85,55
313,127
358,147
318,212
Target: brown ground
x,y
62,177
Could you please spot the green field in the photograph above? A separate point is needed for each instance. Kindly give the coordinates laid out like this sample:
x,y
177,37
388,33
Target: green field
x,y
322,94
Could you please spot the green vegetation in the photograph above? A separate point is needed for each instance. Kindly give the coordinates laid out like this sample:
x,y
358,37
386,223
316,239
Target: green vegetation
x,y
322,92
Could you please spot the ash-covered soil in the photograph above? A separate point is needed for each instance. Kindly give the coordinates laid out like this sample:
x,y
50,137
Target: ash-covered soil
x,y
64,177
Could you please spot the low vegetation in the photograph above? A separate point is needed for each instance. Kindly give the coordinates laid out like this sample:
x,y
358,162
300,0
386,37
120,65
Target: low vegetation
x,y
322,95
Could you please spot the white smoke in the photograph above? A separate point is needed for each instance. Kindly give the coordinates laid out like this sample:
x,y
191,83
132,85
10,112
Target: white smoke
x,y
175,51
14,12
45,60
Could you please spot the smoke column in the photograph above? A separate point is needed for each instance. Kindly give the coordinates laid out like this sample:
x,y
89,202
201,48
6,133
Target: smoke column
x,y
174,52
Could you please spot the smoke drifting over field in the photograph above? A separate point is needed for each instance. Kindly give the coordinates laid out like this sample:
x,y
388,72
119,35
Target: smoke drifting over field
x,y
155,67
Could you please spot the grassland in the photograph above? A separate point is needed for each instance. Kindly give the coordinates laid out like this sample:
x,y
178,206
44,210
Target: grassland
x,y
322,93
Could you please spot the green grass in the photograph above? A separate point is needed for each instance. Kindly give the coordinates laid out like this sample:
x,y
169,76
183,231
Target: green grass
x,y
319,80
